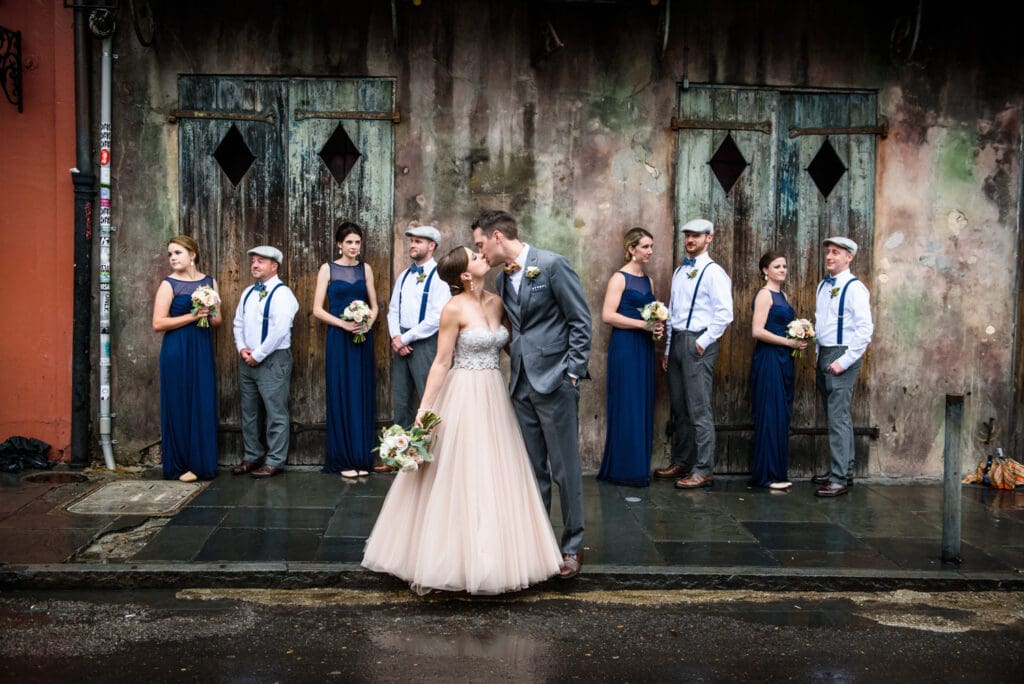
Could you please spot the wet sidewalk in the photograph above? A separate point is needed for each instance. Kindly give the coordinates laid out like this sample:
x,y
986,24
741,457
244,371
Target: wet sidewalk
x,y
307,529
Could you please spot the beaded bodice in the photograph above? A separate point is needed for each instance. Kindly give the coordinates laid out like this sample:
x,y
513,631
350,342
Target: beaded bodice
x,y
477,348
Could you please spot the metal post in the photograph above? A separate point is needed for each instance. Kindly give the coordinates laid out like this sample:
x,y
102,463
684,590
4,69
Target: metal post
x,y
85,191
106,427
951,487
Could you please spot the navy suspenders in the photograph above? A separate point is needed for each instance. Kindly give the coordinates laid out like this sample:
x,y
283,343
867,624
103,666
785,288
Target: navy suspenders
x,y
842,311
696,289
423,302
266,309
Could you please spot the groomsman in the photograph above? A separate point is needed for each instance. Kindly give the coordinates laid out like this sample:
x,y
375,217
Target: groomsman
x,y
263,336
414,316
843,329
700,309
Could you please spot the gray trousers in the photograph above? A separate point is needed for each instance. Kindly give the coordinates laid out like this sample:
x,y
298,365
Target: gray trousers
x,y
689,389
409,377
550,425
264,391
836,396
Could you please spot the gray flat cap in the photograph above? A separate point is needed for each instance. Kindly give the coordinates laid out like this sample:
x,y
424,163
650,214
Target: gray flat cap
x,y
267,251
428,232
699,225
844,242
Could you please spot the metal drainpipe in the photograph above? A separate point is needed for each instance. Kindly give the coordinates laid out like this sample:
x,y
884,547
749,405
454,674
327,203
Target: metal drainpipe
x,y
106,443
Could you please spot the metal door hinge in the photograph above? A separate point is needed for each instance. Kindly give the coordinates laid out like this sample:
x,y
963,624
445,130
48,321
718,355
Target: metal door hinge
x,y
262,117
693,124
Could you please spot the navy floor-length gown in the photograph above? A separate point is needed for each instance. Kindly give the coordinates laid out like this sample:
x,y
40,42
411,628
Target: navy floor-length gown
x,y
351,390
630,394
771,392
188,392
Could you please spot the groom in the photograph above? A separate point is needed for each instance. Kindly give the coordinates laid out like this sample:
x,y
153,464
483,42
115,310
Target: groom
x,y
550,346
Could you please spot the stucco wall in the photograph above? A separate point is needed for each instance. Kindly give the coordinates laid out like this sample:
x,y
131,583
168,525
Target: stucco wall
x,y
37,229
577,144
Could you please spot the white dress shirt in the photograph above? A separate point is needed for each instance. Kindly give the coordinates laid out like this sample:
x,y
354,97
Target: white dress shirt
x,y
248,323
516,279
712,309
407,299
857,324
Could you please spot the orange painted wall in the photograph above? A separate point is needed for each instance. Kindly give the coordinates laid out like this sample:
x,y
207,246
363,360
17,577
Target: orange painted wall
x,y
37,148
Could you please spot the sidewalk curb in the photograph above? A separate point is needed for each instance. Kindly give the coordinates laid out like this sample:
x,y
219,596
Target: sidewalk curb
x,y
308,575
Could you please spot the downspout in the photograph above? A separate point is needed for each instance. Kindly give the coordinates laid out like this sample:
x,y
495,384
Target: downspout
x,y
84,182
106,443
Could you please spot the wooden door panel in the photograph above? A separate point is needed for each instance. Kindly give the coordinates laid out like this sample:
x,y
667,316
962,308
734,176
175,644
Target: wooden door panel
x,y
775,204
289,199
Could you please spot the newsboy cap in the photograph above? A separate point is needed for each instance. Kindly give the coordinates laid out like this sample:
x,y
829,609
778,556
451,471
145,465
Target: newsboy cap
x,y
428,232
267,251
699,225
844,242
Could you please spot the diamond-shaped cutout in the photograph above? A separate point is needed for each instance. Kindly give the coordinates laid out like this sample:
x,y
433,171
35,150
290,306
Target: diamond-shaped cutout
x,y
339,154
728,163
234,156
826,168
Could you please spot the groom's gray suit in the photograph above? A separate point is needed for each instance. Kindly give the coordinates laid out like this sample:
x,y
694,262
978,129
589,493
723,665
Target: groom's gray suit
x,y
550,340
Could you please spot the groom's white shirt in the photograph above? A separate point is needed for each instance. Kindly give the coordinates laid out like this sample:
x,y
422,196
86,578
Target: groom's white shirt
x,y
516,279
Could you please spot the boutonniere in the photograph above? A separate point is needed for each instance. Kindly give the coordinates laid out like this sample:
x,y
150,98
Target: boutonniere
x,y
833,292
263,295
692,274
532,272
420,277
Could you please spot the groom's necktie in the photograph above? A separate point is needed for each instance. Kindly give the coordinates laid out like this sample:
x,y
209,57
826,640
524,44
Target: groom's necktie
x,y
511,268
690,261
830,281
415,268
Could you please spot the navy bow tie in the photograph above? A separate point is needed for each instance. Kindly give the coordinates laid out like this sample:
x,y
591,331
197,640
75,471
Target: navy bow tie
x,y
830,280
259,287
690,262
415,268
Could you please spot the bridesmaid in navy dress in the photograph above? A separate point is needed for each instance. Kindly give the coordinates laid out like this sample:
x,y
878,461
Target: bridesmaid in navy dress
x,y
630,376
188,389
771,376
351,390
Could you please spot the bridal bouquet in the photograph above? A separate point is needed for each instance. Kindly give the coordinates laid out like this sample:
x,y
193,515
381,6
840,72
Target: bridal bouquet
x,y
357,312
205,297
800,329
404,450
654,312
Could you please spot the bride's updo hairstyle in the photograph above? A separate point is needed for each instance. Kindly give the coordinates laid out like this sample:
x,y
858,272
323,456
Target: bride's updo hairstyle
x,y
451,267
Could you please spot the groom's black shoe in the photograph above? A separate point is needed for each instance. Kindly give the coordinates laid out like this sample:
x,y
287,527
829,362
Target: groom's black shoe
x,y
571,564
825,479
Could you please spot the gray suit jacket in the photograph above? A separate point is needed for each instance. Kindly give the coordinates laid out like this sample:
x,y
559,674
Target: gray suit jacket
x,y
550,322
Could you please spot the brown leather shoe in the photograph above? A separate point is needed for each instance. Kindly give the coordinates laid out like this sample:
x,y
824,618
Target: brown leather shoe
x,y
694,481
827,479
831,490
673,471
246,467
266,471
571,564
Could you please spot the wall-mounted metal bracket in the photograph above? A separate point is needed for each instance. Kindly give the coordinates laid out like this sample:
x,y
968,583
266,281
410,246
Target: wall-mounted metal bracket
x,y
303,114
176,114
691,124
10,67
881,130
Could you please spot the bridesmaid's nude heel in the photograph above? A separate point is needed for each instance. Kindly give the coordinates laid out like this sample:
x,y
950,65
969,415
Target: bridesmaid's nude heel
x,y
188,477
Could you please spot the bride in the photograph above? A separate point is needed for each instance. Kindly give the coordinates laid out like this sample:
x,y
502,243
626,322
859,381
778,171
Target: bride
x,y
472,520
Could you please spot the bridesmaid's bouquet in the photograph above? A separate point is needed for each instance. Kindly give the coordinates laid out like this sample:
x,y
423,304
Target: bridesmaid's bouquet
x,y
205,297
654,312
358,312
800,329
404,450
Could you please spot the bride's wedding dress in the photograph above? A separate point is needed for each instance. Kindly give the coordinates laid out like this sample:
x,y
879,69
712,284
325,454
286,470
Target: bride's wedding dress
x,y
472,520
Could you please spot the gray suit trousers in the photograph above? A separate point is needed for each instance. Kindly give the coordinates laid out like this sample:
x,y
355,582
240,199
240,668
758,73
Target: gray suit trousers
x,y
264,391
836,396
409,377
689,388
550,425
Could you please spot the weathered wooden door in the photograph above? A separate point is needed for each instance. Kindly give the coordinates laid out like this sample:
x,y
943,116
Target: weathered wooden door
x,y
283,161
738,166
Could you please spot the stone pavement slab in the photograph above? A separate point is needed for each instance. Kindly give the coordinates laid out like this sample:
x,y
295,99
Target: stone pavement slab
x,y
307,528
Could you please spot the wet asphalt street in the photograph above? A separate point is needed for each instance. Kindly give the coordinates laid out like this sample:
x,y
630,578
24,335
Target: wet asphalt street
x,y
260,635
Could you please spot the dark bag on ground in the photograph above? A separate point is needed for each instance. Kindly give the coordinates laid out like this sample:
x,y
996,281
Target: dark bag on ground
x,y
18,453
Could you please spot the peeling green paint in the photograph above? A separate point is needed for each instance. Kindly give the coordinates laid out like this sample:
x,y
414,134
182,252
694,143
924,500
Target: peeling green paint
x,y
956,158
